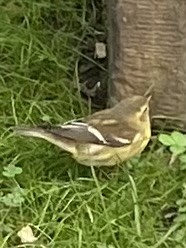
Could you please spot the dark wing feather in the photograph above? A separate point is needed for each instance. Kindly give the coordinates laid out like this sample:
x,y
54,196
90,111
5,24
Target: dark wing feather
x,y
84,133
76,132
80,133
117,136
95,129
112,128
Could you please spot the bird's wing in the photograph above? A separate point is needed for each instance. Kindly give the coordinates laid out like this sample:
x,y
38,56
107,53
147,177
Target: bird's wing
x,y
78,132
116,136
100,128
103,134
74,132
114,128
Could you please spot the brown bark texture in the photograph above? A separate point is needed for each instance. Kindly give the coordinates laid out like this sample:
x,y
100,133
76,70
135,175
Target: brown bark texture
x,y
147,46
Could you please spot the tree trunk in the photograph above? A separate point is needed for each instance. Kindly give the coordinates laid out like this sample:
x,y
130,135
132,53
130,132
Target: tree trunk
x,y
147,45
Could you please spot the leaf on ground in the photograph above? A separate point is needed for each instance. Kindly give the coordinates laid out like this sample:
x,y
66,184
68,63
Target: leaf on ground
x,y
179,138
177,150
166,140
11,170
26,235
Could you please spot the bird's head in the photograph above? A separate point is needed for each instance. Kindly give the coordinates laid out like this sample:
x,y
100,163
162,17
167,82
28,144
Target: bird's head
x,y
135,107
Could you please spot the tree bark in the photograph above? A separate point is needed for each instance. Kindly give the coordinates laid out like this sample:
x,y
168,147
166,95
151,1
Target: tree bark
x,y
147,45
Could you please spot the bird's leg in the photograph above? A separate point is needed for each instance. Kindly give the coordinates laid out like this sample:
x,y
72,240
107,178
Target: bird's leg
x,y
108,172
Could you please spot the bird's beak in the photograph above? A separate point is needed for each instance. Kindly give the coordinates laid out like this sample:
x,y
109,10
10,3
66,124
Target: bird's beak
x,y
148,99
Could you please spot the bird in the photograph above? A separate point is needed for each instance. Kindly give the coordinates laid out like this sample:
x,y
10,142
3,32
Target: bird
x,y
104,138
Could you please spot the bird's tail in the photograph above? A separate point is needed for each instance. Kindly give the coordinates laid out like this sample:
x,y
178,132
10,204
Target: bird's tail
x,y
30,131
45,134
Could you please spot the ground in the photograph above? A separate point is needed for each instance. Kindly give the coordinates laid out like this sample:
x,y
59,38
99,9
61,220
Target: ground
x,y
66,204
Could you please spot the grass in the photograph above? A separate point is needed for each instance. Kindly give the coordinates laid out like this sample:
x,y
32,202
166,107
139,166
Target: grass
x,y
66,204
